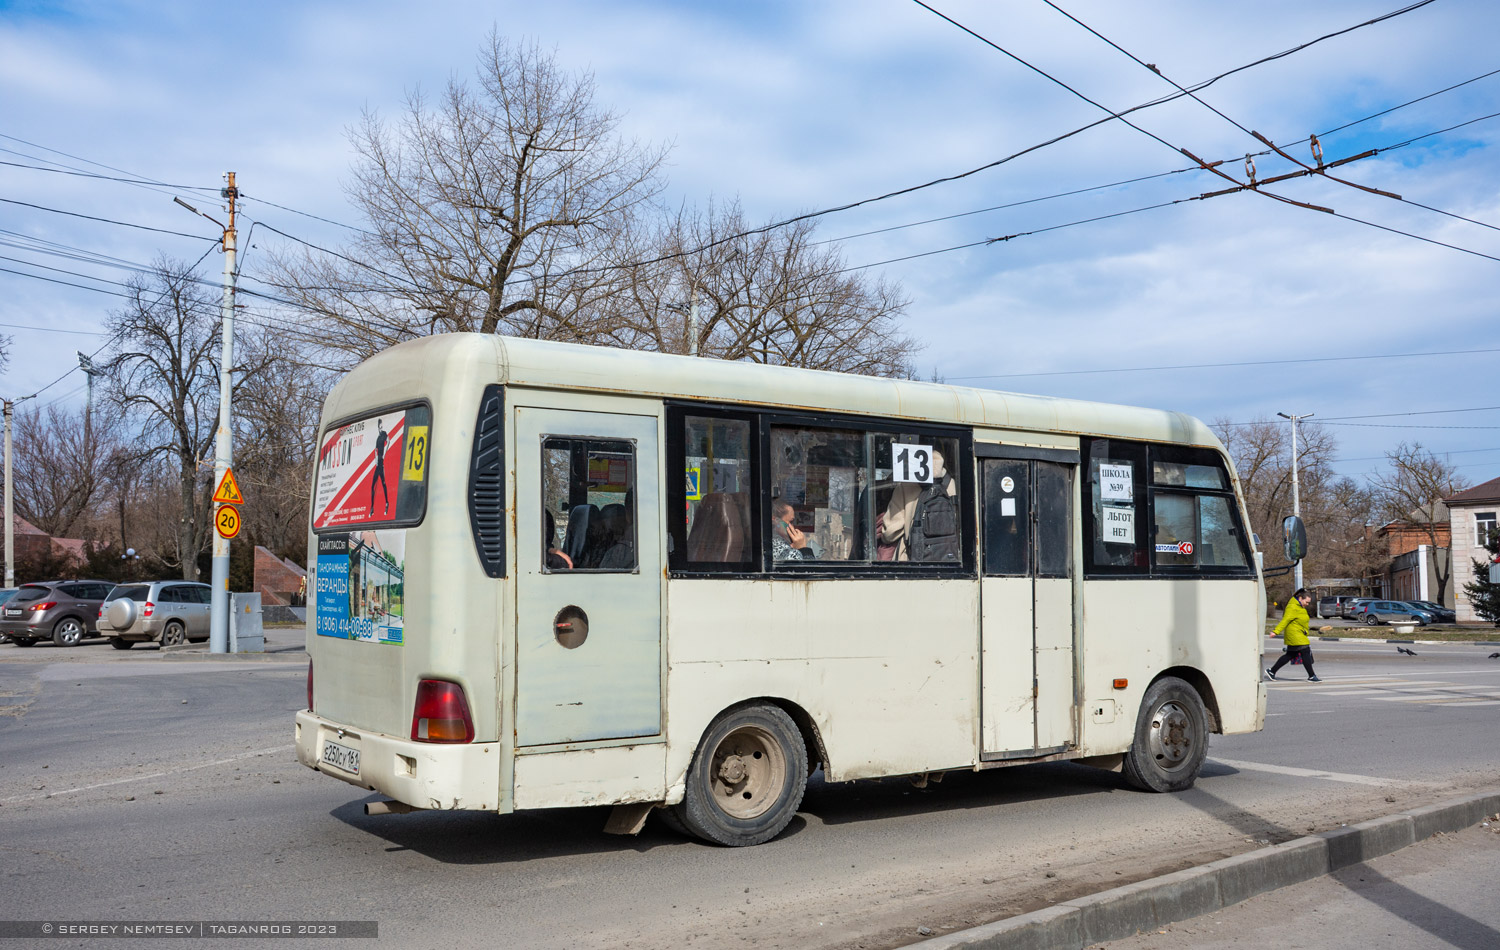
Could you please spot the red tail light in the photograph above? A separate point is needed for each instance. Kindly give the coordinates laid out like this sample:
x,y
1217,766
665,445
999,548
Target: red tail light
x,y
441,713
309,685
101,610
147,609
44,606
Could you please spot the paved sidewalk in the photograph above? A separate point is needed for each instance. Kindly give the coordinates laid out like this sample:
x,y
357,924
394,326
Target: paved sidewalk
x,y
1280,876
1437,893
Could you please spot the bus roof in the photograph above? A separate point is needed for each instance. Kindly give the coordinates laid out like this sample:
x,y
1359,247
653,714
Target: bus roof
x,y
569,366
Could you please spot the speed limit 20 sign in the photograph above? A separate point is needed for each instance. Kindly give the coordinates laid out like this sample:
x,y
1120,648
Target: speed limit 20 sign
x,y
227,521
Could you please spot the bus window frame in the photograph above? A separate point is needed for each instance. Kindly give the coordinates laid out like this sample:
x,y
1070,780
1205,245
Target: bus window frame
x,y
675,484
1144,503
1195,455
764,418
421,516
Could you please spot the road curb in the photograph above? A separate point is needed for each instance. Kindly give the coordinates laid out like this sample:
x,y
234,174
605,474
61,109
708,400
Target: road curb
x,y
1467,643
180,654
1146,905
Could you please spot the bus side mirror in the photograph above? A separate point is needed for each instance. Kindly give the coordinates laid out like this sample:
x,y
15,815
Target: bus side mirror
x,y
1294,541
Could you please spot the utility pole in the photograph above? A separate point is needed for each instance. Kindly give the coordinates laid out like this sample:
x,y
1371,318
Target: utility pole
x,y
218,630
693,322
1296,501
10,518
86,364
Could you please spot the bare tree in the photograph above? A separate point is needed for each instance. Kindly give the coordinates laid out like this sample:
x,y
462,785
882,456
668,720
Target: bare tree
x,y
164,371
487,209
1412,490
1262,456
61,466
772,296
277,414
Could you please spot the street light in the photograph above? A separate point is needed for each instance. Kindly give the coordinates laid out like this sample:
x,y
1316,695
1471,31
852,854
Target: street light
x,y
1296,502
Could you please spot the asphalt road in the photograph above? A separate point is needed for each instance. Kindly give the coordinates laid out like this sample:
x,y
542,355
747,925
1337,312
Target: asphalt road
x,y
148,787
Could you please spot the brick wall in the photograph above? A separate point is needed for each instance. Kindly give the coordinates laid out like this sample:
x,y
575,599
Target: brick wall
x,y
277,580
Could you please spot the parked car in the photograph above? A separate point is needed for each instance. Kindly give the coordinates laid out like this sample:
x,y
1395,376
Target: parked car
x,y
1440,613
1329,607
167,612
6,593
63,611
1396,611
1350,608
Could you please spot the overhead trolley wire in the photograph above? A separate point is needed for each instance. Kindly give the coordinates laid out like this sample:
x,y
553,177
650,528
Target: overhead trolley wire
x,y
1321,169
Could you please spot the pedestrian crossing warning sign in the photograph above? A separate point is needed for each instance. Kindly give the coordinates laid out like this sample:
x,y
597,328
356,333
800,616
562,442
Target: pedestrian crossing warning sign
x,y
228,492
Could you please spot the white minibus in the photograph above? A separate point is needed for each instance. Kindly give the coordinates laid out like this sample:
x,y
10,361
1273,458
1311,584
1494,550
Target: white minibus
x,y
552,575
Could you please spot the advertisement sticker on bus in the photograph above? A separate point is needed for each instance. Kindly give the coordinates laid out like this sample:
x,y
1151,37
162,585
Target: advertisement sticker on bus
x,y
361,591
360,473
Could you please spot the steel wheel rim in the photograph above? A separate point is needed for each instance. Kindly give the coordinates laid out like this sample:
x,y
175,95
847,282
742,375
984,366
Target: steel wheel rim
x,y
747,772
172,636
72,632
1171,737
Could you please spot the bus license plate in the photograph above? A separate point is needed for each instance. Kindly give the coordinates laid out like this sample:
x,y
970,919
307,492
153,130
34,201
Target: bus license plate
x,y
341,757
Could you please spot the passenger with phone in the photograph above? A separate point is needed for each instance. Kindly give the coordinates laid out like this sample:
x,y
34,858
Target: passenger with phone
x,y
788,542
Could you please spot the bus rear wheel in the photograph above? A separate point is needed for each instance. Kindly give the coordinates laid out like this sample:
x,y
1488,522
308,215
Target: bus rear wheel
x,y
1171,738
746,779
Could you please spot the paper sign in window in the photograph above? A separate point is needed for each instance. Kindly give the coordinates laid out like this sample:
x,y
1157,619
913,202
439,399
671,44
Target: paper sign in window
x,y
1117,525
1115,483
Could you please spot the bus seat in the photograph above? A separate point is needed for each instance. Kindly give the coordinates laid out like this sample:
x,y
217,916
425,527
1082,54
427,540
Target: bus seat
x,y
718,530
581,518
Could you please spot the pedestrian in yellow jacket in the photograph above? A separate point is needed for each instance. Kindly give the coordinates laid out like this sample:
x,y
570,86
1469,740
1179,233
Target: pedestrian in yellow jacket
x,y
1293,628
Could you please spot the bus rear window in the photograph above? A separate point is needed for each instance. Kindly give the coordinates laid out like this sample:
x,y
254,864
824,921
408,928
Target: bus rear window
x,y
373,470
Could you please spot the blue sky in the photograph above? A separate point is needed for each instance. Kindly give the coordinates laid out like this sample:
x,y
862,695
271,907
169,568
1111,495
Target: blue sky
x,y
794,107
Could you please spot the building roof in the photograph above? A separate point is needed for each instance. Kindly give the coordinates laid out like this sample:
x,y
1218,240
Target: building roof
x,y
1487,493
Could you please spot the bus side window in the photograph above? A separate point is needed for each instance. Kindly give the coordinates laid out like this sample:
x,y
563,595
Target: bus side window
x,y
818,477
716,467
589,486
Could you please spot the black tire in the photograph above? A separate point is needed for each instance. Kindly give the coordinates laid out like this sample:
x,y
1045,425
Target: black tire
x,y
1171,738
69,632
120,644
1419,621
668,817
27,641
746,779
173,634
1373,620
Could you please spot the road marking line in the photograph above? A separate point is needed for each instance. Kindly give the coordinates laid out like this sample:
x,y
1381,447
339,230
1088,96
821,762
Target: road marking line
x,y
1317,773
142,778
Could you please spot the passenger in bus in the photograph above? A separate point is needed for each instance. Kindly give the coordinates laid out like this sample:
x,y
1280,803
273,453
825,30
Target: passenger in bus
x,y
620,555
934,503
788,542
554,558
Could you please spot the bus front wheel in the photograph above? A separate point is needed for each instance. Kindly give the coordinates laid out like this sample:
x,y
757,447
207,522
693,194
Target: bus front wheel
x,y
746,779
1171,738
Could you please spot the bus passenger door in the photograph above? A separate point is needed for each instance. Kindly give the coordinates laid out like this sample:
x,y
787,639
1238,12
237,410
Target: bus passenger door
x,y
588,598
1026,596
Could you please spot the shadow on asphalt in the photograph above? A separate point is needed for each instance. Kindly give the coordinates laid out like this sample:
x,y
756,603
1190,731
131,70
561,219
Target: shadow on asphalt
x,y
1443,922
464,837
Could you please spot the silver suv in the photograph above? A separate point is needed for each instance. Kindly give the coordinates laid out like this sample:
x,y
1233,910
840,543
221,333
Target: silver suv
x,y
168,612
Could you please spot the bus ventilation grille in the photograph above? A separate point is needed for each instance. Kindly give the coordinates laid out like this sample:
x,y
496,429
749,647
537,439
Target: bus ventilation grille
x,y
487,482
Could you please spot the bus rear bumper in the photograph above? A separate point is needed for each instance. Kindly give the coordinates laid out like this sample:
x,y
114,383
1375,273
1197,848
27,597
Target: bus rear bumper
x,y
421,774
